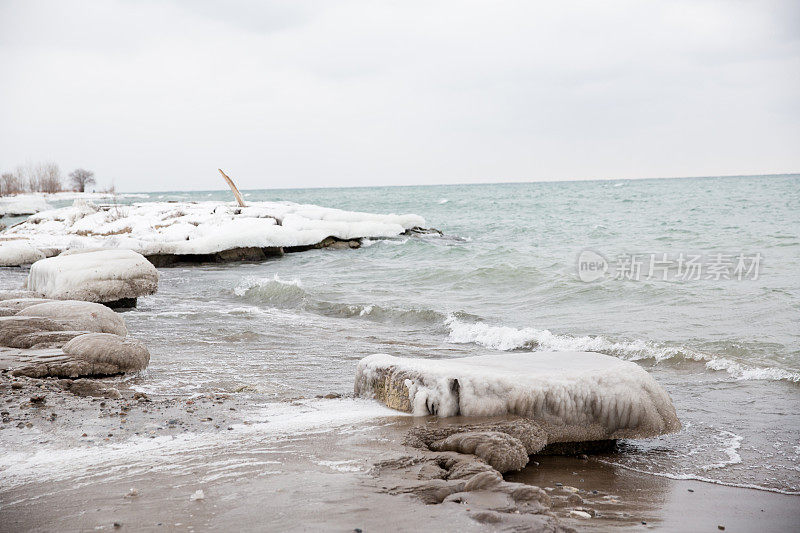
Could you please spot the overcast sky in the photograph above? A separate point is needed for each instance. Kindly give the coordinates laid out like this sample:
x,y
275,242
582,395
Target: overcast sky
x,y
157,95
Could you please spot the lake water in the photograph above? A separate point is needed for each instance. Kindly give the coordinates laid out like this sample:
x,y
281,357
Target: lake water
x,y
701,287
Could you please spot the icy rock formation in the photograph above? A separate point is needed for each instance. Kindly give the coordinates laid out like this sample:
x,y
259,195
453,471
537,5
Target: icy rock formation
x,y
18,253
504,445
78,316
482,491
500,450
92,354
573,396
104,276
530,435
201,230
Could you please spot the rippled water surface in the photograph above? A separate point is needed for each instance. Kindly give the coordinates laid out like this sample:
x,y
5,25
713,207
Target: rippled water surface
x,y
504,277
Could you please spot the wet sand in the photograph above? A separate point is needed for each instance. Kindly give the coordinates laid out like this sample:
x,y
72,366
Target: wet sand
x,y
76,463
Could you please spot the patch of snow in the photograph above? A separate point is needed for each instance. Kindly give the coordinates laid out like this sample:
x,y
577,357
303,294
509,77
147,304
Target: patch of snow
x,y
22,204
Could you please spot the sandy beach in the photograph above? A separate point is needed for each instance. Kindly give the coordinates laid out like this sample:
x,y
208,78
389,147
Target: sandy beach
x,y
140,462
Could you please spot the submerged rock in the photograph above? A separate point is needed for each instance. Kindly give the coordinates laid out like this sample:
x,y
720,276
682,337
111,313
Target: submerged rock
x,y
103,276
573,396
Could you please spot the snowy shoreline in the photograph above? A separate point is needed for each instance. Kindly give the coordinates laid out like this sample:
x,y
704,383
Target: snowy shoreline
x,y
169,232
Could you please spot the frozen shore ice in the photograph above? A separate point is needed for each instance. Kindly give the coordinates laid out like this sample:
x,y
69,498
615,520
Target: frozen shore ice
x,y
202,228
573,396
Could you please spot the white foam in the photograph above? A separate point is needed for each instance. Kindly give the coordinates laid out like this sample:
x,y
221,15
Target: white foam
x,y
506,338
45,462
731,444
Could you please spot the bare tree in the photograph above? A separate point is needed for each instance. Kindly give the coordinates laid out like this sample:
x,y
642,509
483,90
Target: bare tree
x,y
49,177
26,177
81,178
10,184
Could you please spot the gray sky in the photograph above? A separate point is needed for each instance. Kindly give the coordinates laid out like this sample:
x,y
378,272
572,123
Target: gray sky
x,y
157,95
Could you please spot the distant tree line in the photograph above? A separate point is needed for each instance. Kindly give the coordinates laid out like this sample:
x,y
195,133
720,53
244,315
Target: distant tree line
x,y
43,177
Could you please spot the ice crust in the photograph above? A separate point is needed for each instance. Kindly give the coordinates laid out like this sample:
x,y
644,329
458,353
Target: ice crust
x,y
201,228
94,276
573,396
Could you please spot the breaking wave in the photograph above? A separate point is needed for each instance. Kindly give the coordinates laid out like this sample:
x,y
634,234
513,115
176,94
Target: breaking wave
x,y
506,339
290,294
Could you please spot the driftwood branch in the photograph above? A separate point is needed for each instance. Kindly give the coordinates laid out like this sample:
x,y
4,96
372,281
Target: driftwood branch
x,y
235,191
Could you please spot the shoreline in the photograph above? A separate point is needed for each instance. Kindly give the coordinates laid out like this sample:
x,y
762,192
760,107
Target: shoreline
x,y
144,459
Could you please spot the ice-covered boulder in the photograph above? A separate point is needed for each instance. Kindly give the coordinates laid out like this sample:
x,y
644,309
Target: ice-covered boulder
x,y
78,316
18,253
573,396
104,276
91,354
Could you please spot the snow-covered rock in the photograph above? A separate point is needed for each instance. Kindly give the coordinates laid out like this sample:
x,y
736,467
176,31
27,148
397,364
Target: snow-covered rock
x,y
18,253
202,228
573,396
22,204
94,276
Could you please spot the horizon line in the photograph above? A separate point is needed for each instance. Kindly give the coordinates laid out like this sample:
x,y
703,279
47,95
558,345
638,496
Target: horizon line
x,y
513,182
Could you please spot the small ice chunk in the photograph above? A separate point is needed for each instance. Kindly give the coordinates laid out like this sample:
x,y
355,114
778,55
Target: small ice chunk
x,y
198,495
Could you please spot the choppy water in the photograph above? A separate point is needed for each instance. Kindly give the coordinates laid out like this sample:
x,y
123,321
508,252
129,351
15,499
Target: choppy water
x,y
505,278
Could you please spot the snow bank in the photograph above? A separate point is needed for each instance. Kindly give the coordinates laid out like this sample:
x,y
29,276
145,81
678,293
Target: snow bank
x,y
573,396
18,253
94,276
23,204
200,228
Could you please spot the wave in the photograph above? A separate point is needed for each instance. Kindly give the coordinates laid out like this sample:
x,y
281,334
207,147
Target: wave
x,y
507,339
290,294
